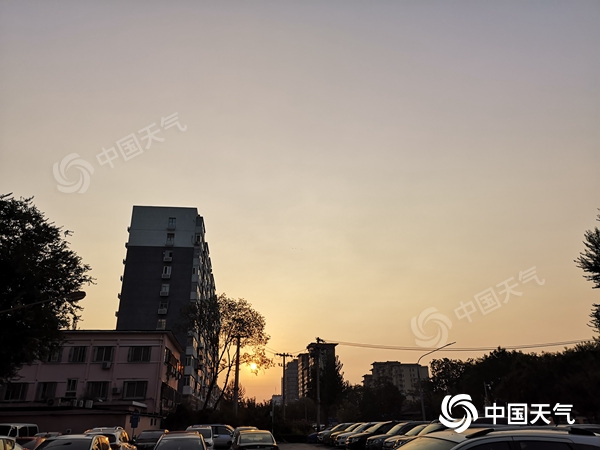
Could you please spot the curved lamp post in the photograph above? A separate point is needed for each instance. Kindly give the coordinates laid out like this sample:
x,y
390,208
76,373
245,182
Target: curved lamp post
x,y
74,296
419,376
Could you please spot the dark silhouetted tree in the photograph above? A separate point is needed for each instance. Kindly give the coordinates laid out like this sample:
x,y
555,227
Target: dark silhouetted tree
x,y
221,321
39,281
589,262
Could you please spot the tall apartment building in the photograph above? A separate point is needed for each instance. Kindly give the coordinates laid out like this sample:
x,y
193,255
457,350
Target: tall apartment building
x,y
404,376
290,381
318,353
167,267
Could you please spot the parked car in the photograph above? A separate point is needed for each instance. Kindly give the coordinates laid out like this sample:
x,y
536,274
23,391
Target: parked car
x,y
340,439
30,442
242,428
117,437
340,426
18,429
147,439
207,433
554,438
181,441
9,443
397,441
222,434
376,442
76,442
391,442
357,441
254,439
330,439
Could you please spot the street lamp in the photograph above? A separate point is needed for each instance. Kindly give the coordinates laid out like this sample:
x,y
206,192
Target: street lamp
x,y
419,376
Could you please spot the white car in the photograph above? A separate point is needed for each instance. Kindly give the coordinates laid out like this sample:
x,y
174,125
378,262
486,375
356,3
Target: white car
x,y
207,434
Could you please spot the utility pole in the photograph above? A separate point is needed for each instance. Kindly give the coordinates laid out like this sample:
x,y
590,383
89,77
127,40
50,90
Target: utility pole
x,y
236,387
283,381
319,340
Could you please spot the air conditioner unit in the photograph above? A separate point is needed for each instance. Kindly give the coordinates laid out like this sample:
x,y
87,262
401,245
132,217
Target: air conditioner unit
x,y
167,258
80,403
106,365
166,276
89,404
116,391
53,401
162,310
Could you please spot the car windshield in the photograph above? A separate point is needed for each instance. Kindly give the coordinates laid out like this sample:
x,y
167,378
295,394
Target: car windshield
x,y
396,428
150,435
416,430
186,443
6,429
68,444
256,438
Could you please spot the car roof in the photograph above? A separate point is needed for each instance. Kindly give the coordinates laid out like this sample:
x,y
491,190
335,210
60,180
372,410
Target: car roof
x,y
73,436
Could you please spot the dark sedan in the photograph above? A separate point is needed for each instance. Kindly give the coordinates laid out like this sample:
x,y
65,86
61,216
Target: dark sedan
x,y
254,439
376,442
147,439
357,441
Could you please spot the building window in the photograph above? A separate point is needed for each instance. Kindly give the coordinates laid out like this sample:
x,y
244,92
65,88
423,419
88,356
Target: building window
x,y
170,239
102,354
168,255
171,223
134,389
139,354
164,290
46,391
15,392
71,387
77,354
166,272
54,356
97,389
161,324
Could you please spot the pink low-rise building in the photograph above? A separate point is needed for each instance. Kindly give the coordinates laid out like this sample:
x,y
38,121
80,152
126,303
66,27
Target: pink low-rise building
x,y
98,378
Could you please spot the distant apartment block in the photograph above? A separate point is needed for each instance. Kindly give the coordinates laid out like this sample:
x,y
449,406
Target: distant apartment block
x,y
319,355
98,377
167,268
403,376
290,381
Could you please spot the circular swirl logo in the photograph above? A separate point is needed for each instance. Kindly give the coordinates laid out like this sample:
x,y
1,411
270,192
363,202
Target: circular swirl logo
x,y
464,401
442,323
73,160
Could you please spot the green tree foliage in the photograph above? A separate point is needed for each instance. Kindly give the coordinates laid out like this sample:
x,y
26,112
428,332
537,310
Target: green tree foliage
x,y
589,262
383,401
569,377
221,322
38,276
331,380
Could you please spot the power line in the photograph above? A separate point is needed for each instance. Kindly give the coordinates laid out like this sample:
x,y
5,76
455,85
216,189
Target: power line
x,y
459,349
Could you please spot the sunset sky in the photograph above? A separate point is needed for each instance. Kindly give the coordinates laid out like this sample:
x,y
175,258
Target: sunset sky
x,y
356,163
